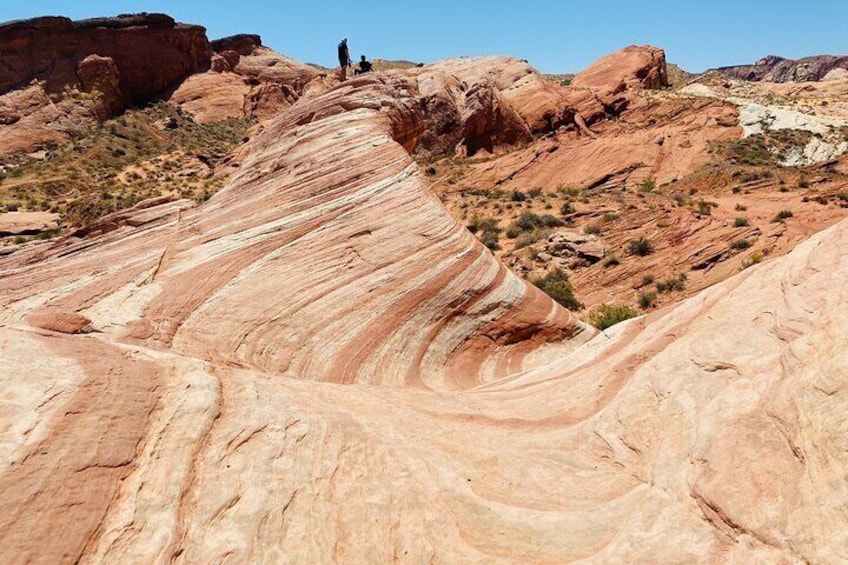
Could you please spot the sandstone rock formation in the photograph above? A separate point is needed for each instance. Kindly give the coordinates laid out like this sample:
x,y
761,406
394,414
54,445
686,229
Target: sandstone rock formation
x,y
606,86
151,51
778,69
58,77
27,223
246,79
199,417
634,66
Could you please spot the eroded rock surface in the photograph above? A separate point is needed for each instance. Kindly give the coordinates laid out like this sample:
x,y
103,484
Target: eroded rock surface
x,y
779,69
202,418
58,77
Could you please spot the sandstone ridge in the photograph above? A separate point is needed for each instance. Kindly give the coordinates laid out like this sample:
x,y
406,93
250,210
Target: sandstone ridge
x,y
779,69
174,379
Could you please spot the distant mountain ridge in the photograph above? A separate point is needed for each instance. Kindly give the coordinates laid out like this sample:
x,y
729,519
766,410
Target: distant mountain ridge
x,y
778,69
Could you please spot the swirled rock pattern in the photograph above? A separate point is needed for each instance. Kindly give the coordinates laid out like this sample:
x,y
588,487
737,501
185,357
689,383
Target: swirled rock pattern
x,y
195,412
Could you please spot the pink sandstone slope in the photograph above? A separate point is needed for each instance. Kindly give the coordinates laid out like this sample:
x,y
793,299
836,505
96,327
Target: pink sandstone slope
x,y
172,380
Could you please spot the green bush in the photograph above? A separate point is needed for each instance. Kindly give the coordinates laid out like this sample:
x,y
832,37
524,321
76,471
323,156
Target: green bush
x,y
606,316
740,244
705,208
550,221
592,229
782,215
490,240
740,222
556,285
648,185
641,247
673,284
566,209
527,221
647,300
529,238
513,231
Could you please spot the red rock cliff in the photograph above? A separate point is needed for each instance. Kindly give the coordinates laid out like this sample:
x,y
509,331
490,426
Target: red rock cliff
x,y
151,52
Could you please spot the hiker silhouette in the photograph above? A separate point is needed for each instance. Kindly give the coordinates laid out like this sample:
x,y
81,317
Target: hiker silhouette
x,y
364,66
344,58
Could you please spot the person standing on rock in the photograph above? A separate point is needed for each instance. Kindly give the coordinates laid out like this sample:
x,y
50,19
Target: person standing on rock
x,y
344,58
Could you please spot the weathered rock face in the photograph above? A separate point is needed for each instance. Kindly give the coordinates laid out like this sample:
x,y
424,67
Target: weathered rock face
x,y
778,69
151,52
59,77
634,66
243,44
245,80
486,103
101,77
608,86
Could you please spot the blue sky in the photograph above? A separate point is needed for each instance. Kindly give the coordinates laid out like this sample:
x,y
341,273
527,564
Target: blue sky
x,y
555,36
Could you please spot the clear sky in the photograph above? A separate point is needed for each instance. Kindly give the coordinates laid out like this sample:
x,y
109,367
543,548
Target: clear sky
x,y
554,35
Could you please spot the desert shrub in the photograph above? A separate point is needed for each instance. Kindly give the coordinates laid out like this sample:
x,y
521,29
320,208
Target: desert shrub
x,y
592,229
611,260
648,185
705,208
677,283
782,215
566,208
640,246
753,259
518,196
568,190
527,221
750,151
490,240
741,207
489,232
740,222
606,315
513,231
529,238
740,244
609,217
534,192
647,300
556,285
549,221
